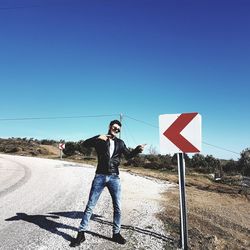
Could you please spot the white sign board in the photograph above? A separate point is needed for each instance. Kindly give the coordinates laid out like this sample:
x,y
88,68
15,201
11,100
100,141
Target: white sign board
x,y
61,146
180,133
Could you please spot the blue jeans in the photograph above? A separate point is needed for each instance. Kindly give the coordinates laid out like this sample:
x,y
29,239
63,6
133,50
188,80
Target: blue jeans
x,y
112,182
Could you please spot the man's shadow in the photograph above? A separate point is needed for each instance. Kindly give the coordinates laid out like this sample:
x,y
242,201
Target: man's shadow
x,y
43,222
52,226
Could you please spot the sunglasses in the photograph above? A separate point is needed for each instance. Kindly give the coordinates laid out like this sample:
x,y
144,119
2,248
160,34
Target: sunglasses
x,y
115,129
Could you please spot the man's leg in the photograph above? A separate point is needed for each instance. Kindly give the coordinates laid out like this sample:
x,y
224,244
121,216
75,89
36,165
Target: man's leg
x,y
97,187
114,187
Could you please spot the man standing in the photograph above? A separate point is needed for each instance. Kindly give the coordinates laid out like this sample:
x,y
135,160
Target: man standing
x,y
109,150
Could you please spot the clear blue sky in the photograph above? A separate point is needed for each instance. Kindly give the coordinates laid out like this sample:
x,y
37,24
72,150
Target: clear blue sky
x,y
141,58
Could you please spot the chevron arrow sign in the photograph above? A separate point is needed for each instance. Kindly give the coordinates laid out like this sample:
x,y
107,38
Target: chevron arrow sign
x,y
180,133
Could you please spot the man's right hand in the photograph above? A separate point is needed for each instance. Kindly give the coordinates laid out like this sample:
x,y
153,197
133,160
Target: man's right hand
x,y
104,137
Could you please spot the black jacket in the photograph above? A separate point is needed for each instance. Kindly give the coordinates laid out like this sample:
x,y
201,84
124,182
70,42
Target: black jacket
x,y
107,164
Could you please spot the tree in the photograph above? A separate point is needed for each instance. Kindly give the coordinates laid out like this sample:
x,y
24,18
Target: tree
x,y
213,165
231,167
70,148
165,159
84,150
198,162
244,162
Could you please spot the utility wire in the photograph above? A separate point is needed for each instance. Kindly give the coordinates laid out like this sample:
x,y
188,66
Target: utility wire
x,y
42,5
220,148
19,7
126,129
55,117
206,143
142,121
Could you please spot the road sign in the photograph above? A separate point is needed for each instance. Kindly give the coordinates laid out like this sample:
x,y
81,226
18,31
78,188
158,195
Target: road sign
x,y
61,146
180,133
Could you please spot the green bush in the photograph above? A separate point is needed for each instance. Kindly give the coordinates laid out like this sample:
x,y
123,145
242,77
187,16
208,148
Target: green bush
x,y
244,162
48,142
137,161
213,165
70,148
231,167
87,151
198,162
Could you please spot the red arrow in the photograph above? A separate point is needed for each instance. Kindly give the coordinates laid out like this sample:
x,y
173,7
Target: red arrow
x,y
173,133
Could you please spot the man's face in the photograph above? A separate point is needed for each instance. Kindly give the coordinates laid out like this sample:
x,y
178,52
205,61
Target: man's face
x,y
115,129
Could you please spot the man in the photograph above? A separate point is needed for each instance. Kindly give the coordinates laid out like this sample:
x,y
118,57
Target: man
x,y
109,150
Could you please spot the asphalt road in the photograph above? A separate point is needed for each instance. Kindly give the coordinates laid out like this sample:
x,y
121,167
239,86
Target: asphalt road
x,y
42,201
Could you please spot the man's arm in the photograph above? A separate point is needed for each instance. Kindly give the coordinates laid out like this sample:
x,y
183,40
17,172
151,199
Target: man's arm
x,y
130,154
91,142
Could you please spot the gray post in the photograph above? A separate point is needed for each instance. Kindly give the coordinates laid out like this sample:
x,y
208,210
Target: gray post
x,y
60,153
183,211
120,135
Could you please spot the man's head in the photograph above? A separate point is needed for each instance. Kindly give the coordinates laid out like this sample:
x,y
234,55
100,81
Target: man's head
x,y
114,127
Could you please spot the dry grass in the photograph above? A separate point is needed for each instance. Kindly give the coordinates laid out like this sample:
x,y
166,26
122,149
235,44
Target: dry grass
x,y
216,221
218,216
51,149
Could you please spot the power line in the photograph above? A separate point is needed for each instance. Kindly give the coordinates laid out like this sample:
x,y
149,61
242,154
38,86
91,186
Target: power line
x,y
43,5
55,117
19,7
126,129
151,125
220,148
206,143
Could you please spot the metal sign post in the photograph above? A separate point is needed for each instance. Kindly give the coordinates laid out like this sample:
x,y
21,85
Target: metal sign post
x,y
120,135
183,210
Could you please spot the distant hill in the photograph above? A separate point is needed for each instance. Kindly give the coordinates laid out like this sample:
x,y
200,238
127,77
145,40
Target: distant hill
x,y
29,147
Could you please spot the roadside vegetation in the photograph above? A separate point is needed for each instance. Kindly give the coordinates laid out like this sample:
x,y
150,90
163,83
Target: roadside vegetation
x,y
218,204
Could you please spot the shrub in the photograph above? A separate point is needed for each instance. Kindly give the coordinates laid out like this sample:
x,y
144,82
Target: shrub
x,y
48,142
231,167
152,165
198,162
213,165
70,148
166,160
137,161
244,162
87,151
152,158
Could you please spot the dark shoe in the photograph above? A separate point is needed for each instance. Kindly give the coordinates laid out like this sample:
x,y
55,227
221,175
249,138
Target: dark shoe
x,y
79,239
118,238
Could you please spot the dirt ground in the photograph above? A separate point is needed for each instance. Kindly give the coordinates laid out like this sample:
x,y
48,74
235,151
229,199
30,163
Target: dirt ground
x,y
218,216
215,221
